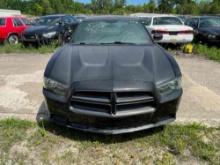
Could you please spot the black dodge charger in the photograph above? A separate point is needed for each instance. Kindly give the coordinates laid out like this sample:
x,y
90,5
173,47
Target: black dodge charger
x,y
112,79
206,28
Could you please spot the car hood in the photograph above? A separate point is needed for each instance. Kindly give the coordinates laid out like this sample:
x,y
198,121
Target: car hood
x,y
39,29
211,30
111,68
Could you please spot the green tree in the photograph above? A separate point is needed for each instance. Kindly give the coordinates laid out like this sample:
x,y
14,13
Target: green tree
x,y
119,3
166,6
102,6
187,7
214,7
47,9
38,9
150,7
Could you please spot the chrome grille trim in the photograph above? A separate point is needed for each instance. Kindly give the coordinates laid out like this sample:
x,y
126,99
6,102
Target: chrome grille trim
x,y
113,103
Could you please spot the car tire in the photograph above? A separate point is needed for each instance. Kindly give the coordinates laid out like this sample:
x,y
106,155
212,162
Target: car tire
x,y
13,39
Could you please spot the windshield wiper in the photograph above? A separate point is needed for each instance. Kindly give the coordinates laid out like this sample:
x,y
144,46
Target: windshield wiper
x,y
87,43
107,43
81,43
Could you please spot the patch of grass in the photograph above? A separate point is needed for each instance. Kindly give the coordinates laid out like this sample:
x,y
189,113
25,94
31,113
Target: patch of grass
x,y
167,159
50,144
12,131
211,52
190,137
19,48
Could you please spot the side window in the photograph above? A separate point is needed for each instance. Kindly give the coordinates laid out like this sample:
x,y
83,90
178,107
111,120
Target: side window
x,y
2,21
67,20
26,21
192,22
73,20
17,22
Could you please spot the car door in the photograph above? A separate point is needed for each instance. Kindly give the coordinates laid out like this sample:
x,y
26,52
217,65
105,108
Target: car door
x,y
3,33
193,22
18,25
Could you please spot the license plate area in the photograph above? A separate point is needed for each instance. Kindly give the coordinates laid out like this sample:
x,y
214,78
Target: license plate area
x,y
173,33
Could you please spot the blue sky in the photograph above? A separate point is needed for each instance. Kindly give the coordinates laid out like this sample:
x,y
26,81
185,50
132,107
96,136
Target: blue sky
x,y
134,2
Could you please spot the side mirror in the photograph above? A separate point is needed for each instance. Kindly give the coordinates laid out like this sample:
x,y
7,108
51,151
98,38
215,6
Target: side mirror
x,y
67,36
68,39
157,36
194,26
59,23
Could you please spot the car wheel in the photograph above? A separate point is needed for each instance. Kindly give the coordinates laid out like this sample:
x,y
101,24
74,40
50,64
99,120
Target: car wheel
x,y
13,39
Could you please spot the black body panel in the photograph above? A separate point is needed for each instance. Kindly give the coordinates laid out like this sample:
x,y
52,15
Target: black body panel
x,y
111,66
204,34
34,33
112,88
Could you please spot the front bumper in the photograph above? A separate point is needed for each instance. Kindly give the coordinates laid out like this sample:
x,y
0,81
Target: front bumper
x,y
206,39
176,39
121,122
213,41
38,39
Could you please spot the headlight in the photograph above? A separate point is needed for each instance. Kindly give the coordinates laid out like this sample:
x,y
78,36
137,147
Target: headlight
x,y
49,34
211,36
170,86
55,86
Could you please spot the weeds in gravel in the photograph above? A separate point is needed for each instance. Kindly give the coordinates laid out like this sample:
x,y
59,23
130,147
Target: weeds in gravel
x,y
19,48
211,52
26,142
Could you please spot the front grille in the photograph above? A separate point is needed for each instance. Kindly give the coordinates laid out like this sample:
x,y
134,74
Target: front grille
x,y
30,36
112,103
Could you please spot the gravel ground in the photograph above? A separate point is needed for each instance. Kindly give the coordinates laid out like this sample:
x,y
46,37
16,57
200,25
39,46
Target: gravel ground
x,y
21,88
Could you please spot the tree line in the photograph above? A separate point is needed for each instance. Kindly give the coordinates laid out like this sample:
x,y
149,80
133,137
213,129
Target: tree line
x,y
43,7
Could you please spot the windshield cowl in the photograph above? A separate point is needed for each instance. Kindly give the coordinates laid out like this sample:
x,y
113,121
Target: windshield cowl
x,y
108,43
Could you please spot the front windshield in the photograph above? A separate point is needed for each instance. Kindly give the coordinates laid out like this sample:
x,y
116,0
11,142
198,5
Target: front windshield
x,y
210,22
111,31
167,21
47,21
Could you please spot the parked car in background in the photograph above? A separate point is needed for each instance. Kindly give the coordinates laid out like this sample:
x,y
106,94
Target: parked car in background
x,y
183,17
112,79
11,28
169,27
206,28
80,18
49,28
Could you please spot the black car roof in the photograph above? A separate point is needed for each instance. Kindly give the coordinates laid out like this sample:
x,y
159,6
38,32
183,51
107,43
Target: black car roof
x,y
206,16
56,15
